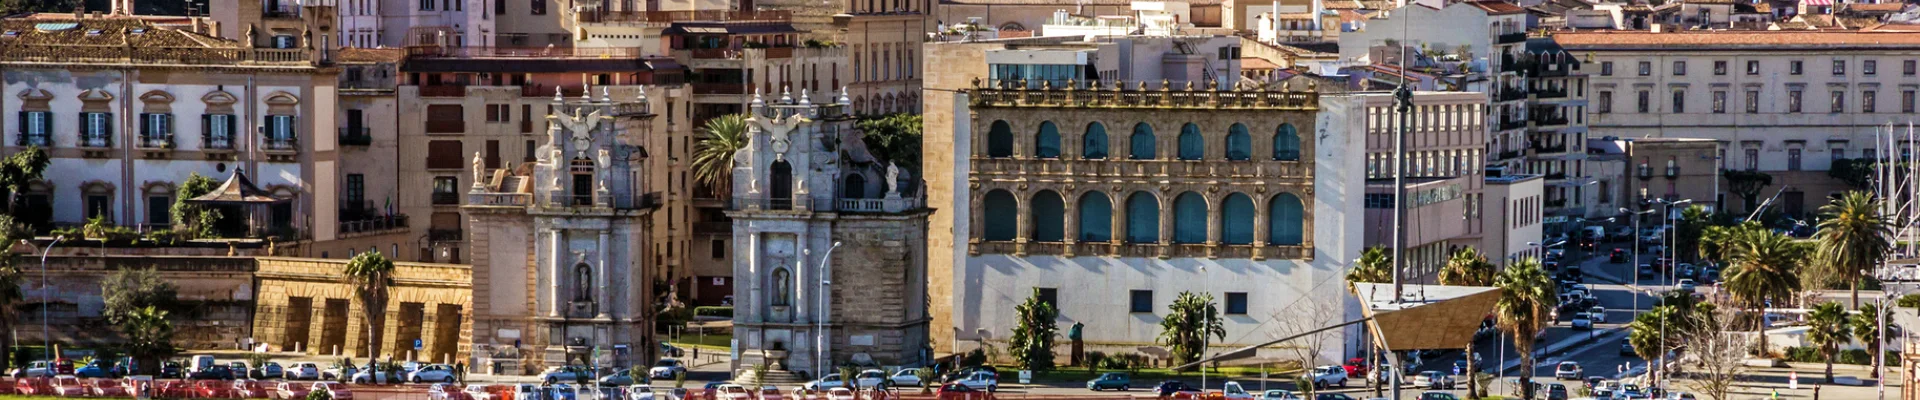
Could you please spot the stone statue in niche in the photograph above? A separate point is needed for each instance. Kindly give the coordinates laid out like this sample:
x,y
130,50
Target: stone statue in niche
x,y
606,162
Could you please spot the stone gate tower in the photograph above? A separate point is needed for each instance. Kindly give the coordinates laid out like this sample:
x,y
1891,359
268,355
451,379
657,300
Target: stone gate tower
x,y
558,274
830,258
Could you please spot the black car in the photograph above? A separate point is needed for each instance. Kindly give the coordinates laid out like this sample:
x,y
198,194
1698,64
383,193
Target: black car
x,y
1626,348
1332,396
1168,388
170,370
219,372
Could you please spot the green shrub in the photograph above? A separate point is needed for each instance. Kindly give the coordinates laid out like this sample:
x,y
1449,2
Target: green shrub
x,y
1095,360
722,312
974,358
1854,356
1909,301
163,237
1804,354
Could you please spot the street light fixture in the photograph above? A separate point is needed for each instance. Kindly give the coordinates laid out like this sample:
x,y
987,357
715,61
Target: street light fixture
x,y
46,333
1635,238
820,316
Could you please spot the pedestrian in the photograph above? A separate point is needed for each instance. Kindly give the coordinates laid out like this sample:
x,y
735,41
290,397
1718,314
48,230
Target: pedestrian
x,y
1816,391
1776,394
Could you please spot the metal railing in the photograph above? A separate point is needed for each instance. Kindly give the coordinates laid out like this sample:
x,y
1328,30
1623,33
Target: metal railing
x,y
1515,37
378,223
446,126
117,54
444,235
443,91
162,140
523,52
1125,95
280,142
96,140
596,16
27,139
280,10
446,198
222,141
500,199
350,136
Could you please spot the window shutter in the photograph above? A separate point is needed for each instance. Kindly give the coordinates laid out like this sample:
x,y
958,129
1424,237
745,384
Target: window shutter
x,y
206,128
232,128
108,123
146,125
23,128
84,127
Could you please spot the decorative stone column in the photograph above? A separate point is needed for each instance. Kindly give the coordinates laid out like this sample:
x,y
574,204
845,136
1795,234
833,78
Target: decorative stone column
x,y
1072,229
1023,223
1166,230
1260,228
1117,236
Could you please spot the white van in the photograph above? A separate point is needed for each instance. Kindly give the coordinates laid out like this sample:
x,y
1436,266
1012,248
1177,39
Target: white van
x,y
199,363
1594,234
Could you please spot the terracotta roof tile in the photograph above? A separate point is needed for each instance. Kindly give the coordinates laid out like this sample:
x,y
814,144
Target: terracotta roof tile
x,y
1495,7
1257,64
1792,25
382,55
1879,8
102,32
1733,39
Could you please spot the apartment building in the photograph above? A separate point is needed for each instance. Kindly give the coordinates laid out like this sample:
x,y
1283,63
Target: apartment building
x,y
1110,197
1785,104
459,103
1535,90
128,109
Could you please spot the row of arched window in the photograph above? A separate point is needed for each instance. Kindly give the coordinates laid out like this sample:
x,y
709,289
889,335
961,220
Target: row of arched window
x,y
1141,145
1283,213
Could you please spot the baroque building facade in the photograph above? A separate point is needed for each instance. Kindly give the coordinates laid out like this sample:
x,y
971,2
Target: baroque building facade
x,y
803,188
557,263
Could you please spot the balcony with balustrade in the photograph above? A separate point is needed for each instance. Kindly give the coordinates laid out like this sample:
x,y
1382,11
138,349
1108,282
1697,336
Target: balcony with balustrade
x,y
356,136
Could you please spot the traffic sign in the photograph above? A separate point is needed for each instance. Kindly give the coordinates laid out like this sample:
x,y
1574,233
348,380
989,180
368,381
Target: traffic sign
x,y
419,344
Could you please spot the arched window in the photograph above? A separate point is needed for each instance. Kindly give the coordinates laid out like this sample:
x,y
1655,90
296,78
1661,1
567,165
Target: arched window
x,y
1286,144
780,186
1046,144
1096,217
1236,219
1141,143
856,187
1284,218
1189,218
1143,218
1000,140
1048,214
782,287
1192,146
1239,143
1093,146
1001,220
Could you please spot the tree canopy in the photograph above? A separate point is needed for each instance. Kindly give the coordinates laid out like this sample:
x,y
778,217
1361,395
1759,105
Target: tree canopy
x,y
893,137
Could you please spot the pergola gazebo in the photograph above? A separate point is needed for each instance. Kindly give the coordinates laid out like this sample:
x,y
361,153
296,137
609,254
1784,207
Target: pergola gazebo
x,y
238,191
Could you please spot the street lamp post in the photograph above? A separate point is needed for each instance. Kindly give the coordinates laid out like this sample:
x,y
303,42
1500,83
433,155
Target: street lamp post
x,y
46,333
820,316
1673,261
1635,238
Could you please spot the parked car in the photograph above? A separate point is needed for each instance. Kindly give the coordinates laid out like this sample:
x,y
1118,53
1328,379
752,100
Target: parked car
x,y
338,372
447,391
1110,380
958,391
1433,380
212,389
67,386
870,378
268,370
241,370
1331,396
980,379
292,390
1357,366
1438,396
905,377
827,382
1679,396
109,388
36,369
569,373
1555,391
666,368
1686,285
340,392
216,372
619,378
96,369
249,389
1327,375
482,392
432,373
671,351
305,370
1567,370
1686,270
373,375
172,370
1277,394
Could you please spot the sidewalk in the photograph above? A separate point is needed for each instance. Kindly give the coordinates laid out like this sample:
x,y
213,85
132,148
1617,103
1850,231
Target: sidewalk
x,y
1565,345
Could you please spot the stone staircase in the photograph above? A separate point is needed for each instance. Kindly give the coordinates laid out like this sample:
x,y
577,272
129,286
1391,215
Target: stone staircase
x,y
784,379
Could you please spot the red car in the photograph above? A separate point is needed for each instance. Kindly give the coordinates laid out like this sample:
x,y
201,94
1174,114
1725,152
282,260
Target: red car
x,y
107,388
68,386
173,389
32,387
251,389
340,392
212,389
292,390
63,366
956,391
1356,366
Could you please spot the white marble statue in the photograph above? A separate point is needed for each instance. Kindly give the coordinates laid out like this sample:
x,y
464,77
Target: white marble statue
x,y
605,163
479,169
893,178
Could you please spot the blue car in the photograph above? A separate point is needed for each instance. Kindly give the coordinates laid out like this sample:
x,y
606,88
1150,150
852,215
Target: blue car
x,y
97,369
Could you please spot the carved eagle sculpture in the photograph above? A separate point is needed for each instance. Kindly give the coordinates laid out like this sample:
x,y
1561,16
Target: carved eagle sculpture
x,y
580,128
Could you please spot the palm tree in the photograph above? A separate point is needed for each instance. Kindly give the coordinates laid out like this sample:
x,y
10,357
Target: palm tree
x,y
149,337
1374,266
713,154
1693,221
1854,236
1866,329
1827,328
370,273
1190,319
1644,334
1525,298
1467,268
1765,266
